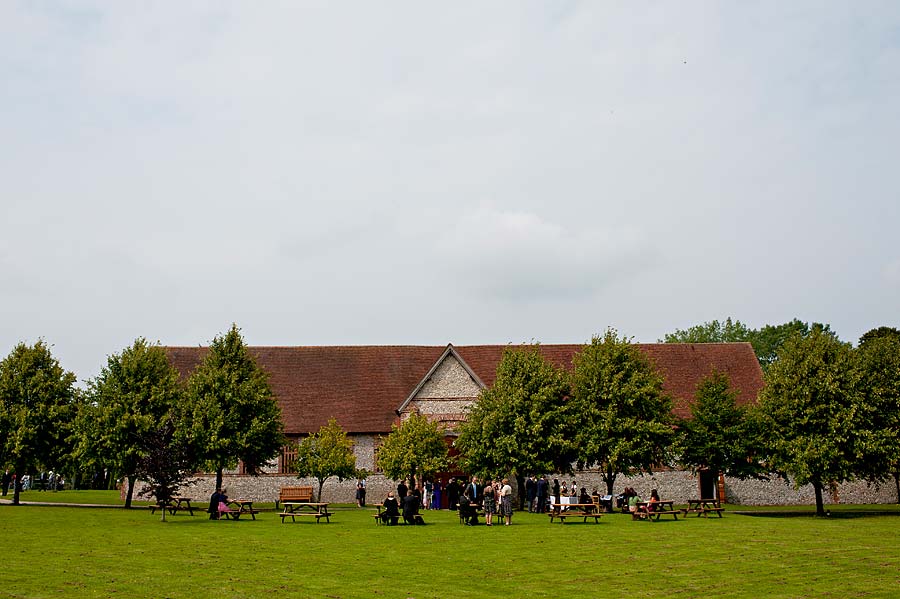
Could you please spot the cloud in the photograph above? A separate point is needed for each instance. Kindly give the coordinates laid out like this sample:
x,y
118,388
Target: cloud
x,y
514,255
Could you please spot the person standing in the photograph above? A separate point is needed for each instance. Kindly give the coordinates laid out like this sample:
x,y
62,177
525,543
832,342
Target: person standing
x,y
506,501
7,478
429,494
361,492
530,492
436,502
541,494
402,490
555,491
475,491
490,502
452,494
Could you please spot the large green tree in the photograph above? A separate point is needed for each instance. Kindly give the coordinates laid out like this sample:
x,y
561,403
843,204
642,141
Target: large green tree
x,y
37,408
878,333
520,425
131,396
326,453
719,436
711,332
625,418
413,450
230,412
878,358
811,412
765,341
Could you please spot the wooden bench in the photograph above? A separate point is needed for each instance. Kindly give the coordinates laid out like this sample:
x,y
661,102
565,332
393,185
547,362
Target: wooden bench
x,y
656,515
316,515
583,515
299,494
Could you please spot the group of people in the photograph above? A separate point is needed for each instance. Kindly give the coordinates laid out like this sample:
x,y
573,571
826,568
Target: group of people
x,y
404,503
640,509
493,497
45,481
540,493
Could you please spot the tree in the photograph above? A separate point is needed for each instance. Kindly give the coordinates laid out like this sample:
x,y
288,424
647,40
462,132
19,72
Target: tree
x,y
414,449
769,339
520,424
718,436
878,358
132,396
166,463
625,418
711,332
878,333
37,407
231,412
810,408
325,454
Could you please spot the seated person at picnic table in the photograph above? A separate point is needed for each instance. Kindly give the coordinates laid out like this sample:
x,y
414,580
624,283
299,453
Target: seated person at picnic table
x,y
391,513
223,503
467,511
654,499
584,497
217,497
411,508
633,502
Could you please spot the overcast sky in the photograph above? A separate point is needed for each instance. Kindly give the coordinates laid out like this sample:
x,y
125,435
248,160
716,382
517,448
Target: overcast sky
x,y
430,173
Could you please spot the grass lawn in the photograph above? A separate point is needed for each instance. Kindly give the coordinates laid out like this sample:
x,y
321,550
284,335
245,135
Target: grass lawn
x,y
78,552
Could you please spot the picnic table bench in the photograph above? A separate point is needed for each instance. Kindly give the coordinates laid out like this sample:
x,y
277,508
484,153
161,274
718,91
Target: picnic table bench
x,y
173,505
294,509
660,508
704,507
242,507
561,511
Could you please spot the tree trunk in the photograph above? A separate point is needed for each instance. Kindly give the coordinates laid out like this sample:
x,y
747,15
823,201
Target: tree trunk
x,y
20,469
610,479
219,478
319,494
820,506
130,494
897,483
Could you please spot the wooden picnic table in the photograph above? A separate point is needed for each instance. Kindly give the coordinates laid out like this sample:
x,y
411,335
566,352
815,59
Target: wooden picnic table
x,y
561,511
703,507
242,507
659,509
173,505
317,510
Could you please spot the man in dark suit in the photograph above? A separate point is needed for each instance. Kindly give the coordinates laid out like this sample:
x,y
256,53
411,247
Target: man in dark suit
x,y
530,492
541,495
402,490
476,491
411,508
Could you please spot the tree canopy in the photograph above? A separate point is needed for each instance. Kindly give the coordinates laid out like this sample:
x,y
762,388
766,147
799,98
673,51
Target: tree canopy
x,y
326,453
879,363
230,411
625,417
810,408
132,396
711,332
520,424
37,409
415,448
166,463
718,436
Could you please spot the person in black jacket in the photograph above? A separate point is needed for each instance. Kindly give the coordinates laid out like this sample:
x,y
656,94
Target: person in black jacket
x,y
391,513
541,489
411,508
402,490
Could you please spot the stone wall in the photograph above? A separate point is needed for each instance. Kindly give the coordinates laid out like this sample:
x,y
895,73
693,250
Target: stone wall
x,y
677,485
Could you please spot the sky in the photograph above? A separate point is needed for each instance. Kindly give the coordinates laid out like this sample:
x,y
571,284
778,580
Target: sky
x,y
363,173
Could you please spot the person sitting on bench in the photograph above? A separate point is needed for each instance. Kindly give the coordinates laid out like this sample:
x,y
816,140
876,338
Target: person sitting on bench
x,y
411,508
467,511
391,513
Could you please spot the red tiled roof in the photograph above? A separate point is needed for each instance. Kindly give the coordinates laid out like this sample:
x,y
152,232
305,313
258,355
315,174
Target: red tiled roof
x,y
362,386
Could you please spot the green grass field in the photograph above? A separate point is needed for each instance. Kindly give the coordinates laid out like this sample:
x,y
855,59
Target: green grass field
x,y
79,552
